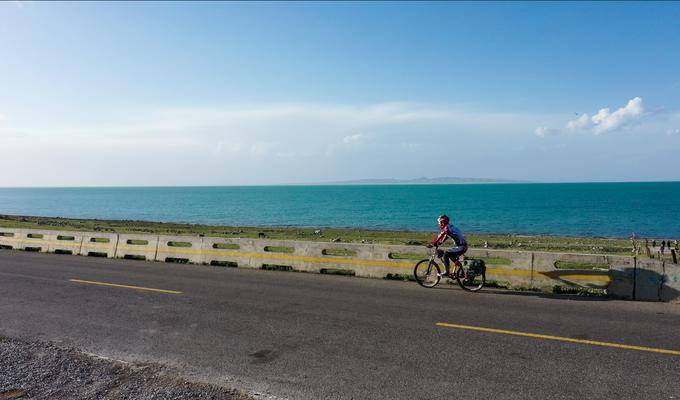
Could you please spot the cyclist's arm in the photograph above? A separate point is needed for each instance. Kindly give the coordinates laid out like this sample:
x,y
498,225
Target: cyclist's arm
x,y
438,239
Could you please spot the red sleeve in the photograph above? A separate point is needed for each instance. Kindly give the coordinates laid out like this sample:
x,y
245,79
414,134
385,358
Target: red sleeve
x,y
438,238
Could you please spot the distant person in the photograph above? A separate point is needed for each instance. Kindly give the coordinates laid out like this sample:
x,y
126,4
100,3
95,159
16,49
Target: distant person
x,y
447,230
654,243
663,247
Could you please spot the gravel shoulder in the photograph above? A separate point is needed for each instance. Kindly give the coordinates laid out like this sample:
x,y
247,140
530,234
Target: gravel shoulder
x,y
42,370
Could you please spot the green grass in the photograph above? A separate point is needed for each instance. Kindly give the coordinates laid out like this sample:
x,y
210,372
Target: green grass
x,y
407,256
226,246
497,284
581,291
66,237
137,242
510,242
343,272
179,244
400,277
579,265
176,260
100,240
230,264
339,252
277,267
279,249
496,260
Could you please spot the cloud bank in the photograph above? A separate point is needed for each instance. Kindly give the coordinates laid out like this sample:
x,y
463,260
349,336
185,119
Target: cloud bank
x,y
302,143
276,143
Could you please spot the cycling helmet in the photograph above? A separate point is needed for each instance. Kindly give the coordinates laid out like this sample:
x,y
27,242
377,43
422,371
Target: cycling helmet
x,y
443,219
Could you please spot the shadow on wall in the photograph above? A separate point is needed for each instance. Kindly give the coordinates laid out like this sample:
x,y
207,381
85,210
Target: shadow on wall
x,y
651,283
563,277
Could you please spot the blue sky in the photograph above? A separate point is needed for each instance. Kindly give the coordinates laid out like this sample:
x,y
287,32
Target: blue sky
x,y
260,93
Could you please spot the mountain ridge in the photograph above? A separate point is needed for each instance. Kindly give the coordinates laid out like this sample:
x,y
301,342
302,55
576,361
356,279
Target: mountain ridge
x,y
419,181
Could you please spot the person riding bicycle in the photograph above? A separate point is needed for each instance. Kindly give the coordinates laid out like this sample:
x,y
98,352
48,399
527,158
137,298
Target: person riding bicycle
x,y
447,230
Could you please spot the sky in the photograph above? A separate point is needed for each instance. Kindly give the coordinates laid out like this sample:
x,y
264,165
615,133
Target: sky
x,y
156,94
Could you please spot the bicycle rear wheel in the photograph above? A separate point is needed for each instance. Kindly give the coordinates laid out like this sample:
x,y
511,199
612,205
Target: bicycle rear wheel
x,y
427,273
471,278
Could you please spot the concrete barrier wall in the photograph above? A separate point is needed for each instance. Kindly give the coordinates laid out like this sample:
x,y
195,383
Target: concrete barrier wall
x,y
622,277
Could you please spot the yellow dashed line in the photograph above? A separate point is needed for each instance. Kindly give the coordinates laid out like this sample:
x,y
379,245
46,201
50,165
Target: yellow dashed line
x,y
559,338
125,286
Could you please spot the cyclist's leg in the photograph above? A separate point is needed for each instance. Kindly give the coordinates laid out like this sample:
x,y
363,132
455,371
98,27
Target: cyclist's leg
x,y
447,262
453,254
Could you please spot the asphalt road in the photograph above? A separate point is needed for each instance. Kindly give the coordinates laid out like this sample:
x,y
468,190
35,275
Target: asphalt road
x,y
307,336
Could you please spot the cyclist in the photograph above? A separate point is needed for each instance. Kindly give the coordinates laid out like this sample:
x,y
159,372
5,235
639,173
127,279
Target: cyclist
x,y
447,230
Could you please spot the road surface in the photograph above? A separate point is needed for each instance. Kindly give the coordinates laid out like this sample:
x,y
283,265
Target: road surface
x,y
308,336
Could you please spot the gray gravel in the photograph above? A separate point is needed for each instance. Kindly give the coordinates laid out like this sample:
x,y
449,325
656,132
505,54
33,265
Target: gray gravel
x,y
39,370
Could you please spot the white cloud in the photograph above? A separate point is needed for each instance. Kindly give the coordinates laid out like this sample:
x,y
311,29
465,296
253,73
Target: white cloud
x,y
606,121
601,122
581,122
352,138
543,131
673,132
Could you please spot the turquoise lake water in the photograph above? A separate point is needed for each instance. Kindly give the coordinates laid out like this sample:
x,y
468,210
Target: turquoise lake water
x,y
578,209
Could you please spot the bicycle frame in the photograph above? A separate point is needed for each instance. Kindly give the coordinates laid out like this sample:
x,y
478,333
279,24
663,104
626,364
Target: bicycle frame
x,y
435,255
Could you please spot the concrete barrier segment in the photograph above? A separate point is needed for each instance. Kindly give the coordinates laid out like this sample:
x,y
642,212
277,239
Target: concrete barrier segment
x,y
512,267
10,238
137,246
99,244
622,275
65,242
649,279
670,290
32,240
179,249
570,270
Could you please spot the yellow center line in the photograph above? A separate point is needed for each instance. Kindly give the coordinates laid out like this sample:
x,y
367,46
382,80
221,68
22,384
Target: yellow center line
x,y
559,338
125,286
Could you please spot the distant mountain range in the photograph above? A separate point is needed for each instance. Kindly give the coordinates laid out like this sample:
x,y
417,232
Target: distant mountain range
x,y
419,181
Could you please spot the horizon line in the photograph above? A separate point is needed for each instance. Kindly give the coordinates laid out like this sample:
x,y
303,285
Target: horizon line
x,y
335,184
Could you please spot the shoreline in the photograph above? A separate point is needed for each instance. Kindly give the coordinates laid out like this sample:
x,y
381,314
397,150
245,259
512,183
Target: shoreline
x,y
590,245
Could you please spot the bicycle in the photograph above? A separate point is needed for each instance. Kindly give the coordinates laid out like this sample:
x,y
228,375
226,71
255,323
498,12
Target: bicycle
x,y
471,276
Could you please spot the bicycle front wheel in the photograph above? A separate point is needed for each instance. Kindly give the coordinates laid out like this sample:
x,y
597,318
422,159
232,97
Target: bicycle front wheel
x,y
427,273
470,278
